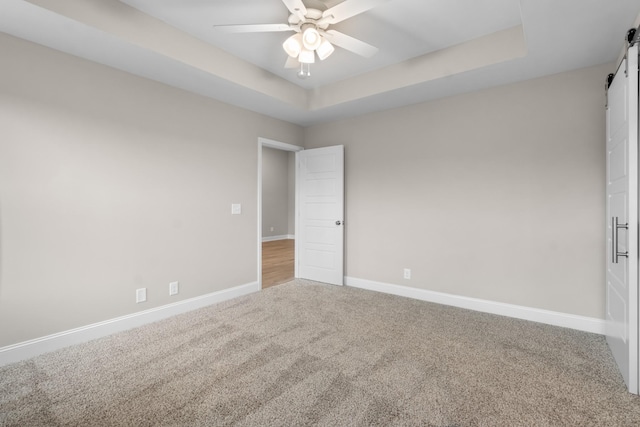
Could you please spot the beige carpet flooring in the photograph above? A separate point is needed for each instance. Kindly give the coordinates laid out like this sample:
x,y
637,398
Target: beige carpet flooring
x,y
309,354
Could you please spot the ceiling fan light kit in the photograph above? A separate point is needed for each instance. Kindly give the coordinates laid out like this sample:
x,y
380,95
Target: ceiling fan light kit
x,y
301,46
311,27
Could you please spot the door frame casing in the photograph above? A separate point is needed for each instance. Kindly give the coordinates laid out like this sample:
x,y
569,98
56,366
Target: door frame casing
x,y
270,143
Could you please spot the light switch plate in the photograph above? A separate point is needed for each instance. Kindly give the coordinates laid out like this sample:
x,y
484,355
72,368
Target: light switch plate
x,y
236,209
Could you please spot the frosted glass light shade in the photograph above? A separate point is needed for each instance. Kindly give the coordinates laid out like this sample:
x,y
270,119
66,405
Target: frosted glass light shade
x,y
325,49
293,45
307,56
311,39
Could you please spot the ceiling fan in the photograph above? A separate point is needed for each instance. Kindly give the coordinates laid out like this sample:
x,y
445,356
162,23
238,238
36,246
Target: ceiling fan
x,y
313,36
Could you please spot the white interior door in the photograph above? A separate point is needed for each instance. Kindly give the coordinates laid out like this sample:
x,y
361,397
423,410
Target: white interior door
x,y
320,214
622,219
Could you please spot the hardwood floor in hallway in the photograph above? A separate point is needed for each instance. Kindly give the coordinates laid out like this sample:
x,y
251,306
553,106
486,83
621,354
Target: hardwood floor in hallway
x,y
277,262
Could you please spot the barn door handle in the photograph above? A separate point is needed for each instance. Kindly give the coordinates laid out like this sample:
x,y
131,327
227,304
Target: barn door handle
x,y
615,253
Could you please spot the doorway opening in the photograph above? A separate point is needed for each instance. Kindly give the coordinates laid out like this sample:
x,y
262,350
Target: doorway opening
x,y
276,212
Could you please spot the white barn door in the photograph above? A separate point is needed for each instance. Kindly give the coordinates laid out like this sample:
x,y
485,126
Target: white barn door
x,y
622,219
320,214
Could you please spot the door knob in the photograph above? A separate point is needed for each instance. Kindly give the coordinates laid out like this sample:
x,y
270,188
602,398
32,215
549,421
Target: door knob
x,y
338,222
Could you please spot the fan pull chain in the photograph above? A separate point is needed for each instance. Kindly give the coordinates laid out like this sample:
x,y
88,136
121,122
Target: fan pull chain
x,y
302,73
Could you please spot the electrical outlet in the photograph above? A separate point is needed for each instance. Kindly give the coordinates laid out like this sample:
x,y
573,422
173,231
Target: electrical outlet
x,y
141,295
271,229
173,288
407,273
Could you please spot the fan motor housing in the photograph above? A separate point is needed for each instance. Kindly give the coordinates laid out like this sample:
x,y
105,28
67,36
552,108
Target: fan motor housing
x,y
311,17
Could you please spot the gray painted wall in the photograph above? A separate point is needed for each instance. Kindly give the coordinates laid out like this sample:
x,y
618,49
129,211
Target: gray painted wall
x,y
497,195
275,192
110,182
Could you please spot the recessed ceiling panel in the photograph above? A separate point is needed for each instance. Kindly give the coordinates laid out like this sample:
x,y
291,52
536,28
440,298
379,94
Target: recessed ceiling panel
x,y
401,29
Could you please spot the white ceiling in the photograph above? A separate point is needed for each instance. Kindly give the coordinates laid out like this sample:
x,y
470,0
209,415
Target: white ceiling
x,y
428,48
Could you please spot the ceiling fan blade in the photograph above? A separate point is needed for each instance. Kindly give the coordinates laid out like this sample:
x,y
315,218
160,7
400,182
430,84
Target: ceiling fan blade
x,y
291,63
349,43
253,28
296,7
347,9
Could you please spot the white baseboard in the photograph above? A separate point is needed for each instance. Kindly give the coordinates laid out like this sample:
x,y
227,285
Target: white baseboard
x,y
274,238
35,347
581,323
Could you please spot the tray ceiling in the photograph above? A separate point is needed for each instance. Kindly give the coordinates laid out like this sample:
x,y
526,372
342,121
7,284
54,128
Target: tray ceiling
x,y
428,48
